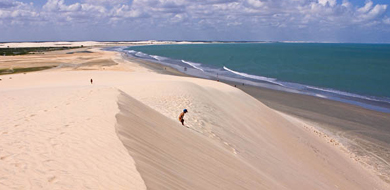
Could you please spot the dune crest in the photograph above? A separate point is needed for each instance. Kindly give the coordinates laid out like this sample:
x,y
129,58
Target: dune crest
x,y
253,138
59,131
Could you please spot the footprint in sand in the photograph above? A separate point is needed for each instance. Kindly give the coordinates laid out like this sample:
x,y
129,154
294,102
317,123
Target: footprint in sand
x,y
4,158
48,161
52,179
53,142
20,165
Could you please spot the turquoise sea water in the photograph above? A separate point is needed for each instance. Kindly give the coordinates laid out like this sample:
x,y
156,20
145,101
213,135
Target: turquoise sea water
x,y
355,73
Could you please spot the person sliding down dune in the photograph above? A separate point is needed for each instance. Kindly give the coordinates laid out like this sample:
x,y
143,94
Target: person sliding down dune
x,y
181,117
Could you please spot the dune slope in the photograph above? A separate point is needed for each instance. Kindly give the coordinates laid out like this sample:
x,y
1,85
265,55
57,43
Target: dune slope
x,y
172,157
264,144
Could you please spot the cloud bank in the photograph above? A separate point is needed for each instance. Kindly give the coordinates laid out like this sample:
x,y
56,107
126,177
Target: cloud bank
x,y
294,20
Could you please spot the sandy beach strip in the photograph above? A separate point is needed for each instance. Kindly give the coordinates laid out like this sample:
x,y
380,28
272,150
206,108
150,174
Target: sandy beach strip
x,y
365,133
59,131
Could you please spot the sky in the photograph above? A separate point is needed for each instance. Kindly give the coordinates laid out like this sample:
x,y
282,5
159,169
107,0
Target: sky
x,y
344,21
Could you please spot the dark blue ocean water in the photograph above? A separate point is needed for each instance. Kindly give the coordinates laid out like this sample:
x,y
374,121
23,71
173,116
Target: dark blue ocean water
x,y
353,73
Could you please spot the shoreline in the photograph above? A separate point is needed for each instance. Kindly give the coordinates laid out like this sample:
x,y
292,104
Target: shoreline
x,y
121,131
363,132
358,96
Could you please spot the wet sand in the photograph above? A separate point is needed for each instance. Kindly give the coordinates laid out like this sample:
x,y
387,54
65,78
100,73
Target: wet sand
x,y
366,133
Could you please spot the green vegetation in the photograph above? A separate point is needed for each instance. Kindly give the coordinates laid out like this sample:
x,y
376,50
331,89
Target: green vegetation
x,y
23,51
23,70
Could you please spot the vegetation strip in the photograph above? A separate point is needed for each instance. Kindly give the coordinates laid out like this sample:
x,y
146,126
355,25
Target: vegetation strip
x,y
23,51
23,70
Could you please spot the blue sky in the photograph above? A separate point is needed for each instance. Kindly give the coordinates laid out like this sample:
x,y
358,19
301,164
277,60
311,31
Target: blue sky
x,y
360,21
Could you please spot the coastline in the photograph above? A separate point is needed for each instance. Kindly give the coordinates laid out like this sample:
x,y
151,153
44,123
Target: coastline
x,y
364,133
127,117
210,61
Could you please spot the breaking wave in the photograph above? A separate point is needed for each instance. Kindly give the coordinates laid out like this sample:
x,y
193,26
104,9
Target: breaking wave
x,y
194,65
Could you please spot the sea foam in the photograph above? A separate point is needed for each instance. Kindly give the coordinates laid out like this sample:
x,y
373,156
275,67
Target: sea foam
x,y
194,65
270,80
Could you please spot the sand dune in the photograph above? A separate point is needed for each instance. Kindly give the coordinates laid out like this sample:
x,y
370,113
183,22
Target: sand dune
x,y
86,43
62,138
61,132
170,156
284,154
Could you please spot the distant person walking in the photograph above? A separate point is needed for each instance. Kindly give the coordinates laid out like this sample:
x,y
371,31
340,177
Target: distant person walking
x,y
181,117
91,81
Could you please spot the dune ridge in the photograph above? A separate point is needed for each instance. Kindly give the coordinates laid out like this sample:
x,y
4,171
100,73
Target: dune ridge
x,y
172,157
283,154
59,131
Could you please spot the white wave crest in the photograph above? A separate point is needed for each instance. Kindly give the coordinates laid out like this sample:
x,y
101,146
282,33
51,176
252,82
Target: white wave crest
x,y
140,54
158,58
271,80
345,94
194,65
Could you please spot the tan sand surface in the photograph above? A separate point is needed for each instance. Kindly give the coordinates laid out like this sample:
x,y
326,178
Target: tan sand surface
x,y
86,43
78,59
61,132
56,137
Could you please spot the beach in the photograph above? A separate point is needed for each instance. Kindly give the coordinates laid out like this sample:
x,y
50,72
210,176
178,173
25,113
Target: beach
x,y
363,133
61,131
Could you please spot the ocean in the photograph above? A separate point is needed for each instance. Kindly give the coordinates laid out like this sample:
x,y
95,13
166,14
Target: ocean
x,y
358,74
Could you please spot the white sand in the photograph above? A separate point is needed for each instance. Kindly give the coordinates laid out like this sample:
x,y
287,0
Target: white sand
x,y
60,132
62,138
85,43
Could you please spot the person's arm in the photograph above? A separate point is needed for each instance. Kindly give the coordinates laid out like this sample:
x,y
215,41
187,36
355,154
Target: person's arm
x,y
181,116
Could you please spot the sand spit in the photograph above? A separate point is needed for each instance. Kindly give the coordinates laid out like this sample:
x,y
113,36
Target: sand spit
x,y
59,131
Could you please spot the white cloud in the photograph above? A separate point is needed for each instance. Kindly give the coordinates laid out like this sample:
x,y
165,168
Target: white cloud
x,y
14,12
386,21
255,3
105,2
370,14
255,15
367,7
124,11
327,2
57,12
